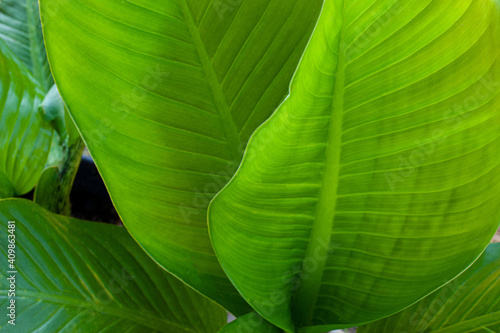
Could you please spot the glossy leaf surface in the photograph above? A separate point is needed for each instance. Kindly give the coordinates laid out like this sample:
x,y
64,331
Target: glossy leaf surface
x,y
362,193
24,136
77,276
471,303
166,94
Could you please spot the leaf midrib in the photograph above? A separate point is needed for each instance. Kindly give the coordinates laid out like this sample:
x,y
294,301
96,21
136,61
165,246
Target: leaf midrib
x,y
231,132
308,291
135,316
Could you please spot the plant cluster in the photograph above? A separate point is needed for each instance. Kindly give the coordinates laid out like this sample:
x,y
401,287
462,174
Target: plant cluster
x,y
305,165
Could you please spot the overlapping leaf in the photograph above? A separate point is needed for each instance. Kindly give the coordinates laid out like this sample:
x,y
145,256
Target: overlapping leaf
x,y
471,303
24,136
21,30
378,179
77,276
166,94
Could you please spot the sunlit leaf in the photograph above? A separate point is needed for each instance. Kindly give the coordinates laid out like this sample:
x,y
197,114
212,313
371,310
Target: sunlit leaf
x,y
166,94
378,179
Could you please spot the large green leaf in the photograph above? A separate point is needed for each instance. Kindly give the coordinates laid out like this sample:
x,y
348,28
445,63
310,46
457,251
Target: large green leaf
x,y
471,303
77,276
21,30
166,94
24,136
378,179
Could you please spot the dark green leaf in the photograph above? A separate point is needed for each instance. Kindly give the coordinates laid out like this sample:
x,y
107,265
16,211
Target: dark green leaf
x,y
250,323
76,276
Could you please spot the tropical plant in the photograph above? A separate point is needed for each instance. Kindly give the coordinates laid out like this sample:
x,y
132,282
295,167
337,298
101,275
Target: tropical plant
x,y
374,183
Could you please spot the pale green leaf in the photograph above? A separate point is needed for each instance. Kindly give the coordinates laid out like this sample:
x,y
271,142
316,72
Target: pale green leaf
x,y
53,111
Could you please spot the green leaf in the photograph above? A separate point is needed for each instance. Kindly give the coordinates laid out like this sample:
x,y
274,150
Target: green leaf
x,y
53,191
56,154
53,111
470,303
6,188
77,276
21,30
47,185
54,187
25,137
250,323
166,94
378,180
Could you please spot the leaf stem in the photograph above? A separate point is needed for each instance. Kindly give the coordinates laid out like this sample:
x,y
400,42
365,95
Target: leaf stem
x,y
54,188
